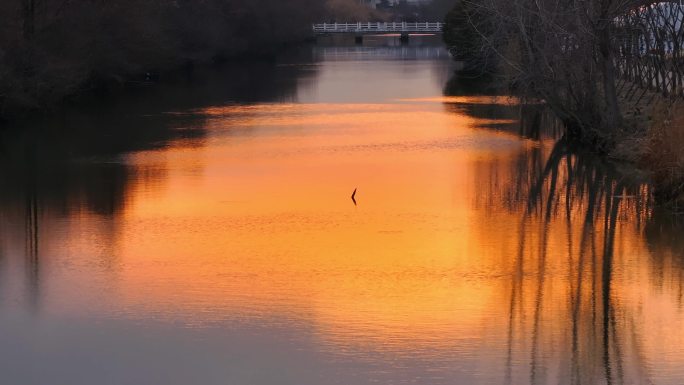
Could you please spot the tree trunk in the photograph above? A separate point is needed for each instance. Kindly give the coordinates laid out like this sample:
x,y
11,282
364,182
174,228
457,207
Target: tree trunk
x,y
613,117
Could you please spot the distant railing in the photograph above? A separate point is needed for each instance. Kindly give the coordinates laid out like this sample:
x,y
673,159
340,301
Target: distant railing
x,y
362,28
649,50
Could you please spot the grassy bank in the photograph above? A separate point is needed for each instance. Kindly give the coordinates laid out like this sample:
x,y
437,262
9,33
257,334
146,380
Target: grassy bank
x,y
653,140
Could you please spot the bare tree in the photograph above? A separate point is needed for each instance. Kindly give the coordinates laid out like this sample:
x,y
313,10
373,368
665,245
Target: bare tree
x,y
573,54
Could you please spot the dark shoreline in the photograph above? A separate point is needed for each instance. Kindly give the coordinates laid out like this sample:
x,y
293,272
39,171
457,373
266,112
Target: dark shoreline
x,y
107,90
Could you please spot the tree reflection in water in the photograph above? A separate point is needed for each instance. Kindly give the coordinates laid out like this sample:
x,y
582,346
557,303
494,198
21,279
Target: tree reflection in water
x,y
597,203
575,318
577,188
73,163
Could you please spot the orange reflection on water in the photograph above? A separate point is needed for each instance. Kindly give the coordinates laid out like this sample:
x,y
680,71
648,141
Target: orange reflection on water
x,y
268,224
465,244
276,223
433,258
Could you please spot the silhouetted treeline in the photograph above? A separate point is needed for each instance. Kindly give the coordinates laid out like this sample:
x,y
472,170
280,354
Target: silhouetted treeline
x,y
53,48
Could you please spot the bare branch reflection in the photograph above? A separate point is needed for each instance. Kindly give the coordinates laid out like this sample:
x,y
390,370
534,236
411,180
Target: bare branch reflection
x,y
591,199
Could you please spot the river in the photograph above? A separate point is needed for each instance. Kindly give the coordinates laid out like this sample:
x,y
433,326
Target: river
x,y
202,231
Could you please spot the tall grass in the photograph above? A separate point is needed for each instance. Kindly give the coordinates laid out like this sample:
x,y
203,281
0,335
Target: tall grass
x,y
664,152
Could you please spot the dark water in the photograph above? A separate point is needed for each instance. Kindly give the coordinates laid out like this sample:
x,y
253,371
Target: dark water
x,y
202,231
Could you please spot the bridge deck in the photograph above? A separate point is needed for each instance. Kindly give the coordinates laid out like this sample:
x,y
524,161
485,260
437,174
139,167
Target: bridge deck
x,y
366,28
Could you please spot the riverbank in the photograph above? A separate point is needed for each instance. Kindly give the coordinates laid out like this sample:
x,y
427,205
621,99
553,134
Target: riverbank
x,y
653,139
16,111
606,87
55,51
126,85
649,144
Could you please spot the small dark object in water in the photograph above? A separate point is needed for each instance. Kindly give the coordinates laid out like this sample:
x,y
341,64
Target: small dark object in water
x,y
353,195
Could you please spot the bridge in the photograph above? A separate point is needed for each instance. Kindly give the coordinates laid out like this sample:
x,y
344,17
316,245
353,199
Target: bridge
x,y
368,28
359,29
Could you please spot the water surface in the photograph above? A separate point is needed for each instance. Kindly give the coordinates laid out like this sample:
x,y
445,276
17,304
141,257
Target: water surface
x,y
202,231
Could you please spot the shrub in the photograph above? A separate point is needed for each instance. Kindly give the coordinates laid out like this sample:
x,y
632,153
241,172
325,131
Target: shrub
x,y
664,153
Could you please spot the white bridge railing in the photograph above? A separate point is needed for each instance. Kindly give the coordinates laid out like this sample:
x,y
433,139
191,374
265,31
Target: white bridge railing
x,y
360,28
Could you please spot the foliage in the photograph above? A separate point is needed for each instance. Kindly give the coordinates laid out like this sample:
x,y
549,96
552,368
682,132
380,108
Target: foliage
x,y
348,11
465,30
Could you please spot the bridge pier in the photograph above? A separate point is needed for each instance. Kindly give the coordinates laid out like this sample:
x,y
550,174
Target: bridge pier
x,y
358,39
404,38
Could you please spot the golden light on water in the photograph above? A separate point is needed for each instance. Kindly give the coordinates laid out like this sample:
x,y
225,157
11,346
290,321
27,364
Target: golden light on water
x,y
471,254
423,265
